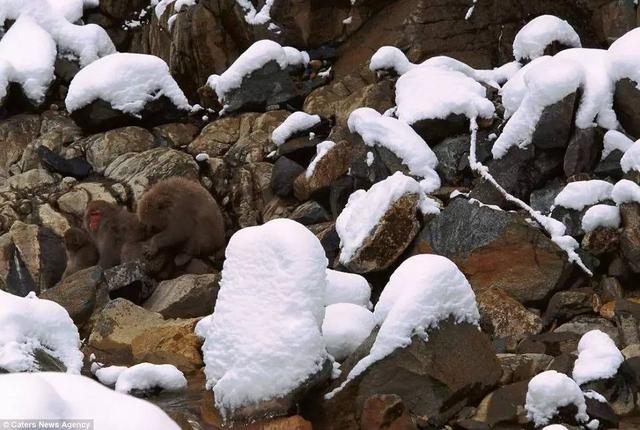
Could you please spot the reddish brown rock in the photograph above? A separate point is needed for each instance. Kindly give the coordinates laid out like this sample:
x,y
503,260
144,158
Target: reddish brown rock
x,y
334,164
504,317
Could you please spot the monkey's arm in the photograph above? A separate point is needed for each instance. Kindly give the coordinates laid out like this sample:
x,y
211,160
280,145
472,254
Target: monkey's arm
x,y
165,239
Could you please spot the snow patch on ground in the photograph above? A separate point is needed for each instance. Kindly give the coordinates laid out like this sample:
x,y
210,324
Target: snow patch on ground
x,y
598,358
549,391
345,327
540,32
29,323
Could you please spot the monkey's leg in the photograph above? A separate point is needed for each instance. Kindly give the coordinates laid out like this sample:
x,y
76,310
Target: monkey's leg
x,y
168,238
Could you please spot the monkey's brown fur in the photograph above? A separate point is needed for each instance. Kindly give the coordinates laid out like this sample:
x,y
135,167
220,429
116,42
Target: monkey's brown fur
x,y
81,251
112,228
181,216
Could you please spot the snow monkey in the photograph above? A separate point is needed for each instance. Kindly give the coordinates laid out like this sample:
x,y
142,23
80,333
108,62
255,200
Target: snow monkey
x,y
81,251
111,228
181,217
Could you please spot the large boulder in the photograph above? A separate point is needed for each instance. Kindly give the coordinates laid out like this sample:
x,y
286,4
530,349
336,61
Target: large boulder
x,y
185,297
504,317
329,167
103,148
495,248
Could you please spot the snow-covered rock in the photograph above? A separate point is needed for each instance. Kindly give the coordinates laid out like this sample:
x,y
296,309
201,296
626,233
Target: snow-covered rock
x,y
580,194
548,392
601,216
345,327
343,287
532,39
269,312
398,137
128,82
321,150
145,376
625,191
423,291
295,123
598,358
625,58
360,220
614,140
631,158
108,375
60,396
29,324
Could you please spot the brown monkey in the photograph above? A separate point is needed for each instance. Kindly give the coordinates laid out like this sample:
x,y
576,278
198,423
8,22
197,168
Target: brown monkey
x,y
111,228
182,217
81,251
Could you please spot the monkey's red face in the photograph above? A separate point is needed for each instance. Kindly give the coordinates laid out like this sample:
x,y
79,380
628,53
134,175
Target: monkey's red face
x,y
94,220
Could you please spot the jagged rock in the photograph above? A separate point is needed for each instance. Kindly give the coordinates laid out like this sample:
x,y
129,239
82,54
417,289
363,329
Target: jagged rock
x,y
32,180
522,367
76,167
334,164
216,138
254,141
310,212
504,317
140,171
627,318
16,133
503,406
432,382
583,152
610,166
185,297
285,171
385,411
554,127
600,241
542,198
626,102
582,324
388,240
103,148
565,305
552,343
175,135
75,201
495,249
129,280
77,293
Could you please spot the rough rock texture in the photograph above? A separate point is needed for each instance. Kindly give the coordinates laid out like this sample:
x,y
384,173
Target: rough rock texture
x,y
626,102
185,297
503,317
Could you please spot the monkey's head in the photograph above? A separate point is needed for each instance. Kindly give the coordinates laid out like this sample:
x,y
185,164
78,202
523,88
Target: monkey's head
x,y
95,213
75,238
154,212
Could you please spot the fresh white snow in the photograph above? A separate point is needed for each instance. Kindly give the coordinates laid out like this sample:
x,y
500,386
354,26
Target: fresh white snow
x,y
268,313
549,391
61,396
364,210
580,194
295,123
625,59
343,287
613,140
601,216
252,15
108,375
423,291
321,150
598,358
540,32
631,158
345,327
29,323
145,376
398,137
126,81
625,191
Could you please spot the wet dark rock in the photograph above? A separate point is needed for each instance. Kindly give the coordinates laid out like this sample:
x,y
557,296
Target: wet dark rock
x,y
129,281
627,106
77,167
542,199
77,293
310,212
555,124
565,305
553,343
435,130
284,172
583,152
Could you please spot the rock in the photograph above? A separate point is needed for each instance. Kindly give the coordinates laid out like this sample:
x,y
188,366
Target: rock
x,y
120,10
77,293
334,164
175,135
582,324
50,218
103,148
601,241
216,138
626,102
565,305
284,173
75,201
555,125
185,297
571,218
100,116
542,198
583,152
310,212
452,154
630,237
495,249
140,171
295,422
552,343
503,406
627,318
522,367
173,341
432,382
389,239
385,411
503,317
16,133
31,181
434,130
610,166
75,167
129,280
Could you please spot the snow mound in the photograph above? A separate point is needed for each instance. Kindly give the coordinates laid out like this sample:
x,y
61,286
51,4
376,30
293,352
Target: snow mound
x,y
398,137
29,323
145,376
295,123
252,15
345,327
321,150
87,42
580,194
434,93
62,396
550,391
614,140
343,287
424,290
392,58
601,216
126,81
631,158
27,57
109,375
598,358
268,313
625,191
555,427
540,84
625,58
364,210
540,32
254,58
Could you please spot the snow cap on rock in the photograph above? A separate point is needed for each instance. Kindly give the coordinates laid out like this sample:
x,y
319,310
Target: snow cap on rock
x,y
540,32
598,358
550,391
